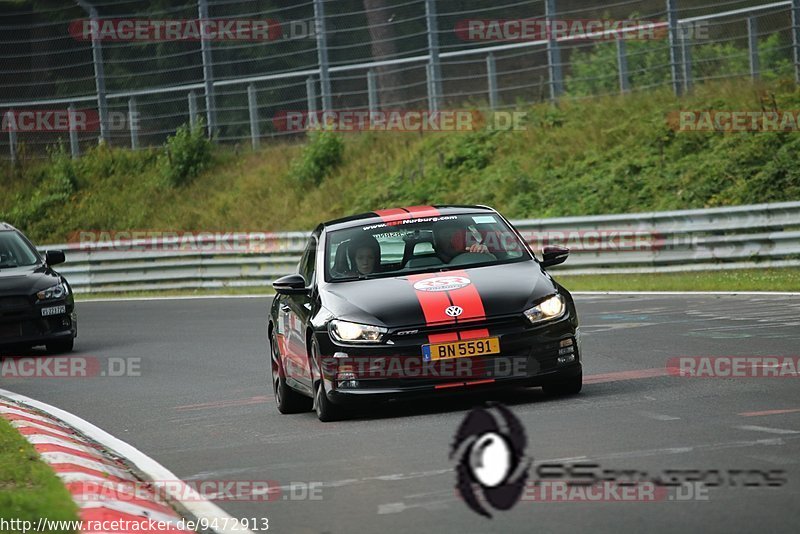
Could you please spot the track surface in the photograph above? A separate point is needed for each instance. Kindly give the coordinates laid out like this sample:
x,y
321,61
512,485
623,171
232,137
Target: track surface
x,y
203,408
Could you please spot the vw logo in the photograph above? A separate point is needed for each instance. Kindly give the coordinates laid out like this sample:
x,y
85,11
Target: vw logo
x,y
453,311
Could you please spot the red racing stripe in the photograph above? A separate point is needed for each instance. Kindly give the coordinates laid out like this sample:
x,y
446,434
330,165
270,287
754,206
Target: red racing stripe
x,y
392,215
422,211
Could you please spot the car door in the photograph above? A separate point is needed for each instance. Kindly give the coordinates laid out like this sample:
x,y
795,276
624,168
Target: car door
x,y
296,310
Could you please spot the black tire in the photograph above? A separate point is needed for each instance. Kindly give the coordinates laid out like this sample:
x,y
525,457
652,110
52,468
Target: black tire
x,y
60,347
561,389
326,410
288,400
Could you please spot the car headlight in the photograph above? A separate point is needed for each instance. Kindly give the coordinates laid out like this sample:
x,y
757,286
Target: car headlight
x,y
55,292
348,332
550,308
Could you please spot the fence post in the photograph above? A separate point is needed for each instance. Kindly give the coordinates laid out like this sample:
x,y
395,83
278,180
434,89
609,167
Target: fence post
x,y
208,71
752,46
796,38
434,66
491,74
133,119
311,96
553,53
252,104
622,65
675,47
74,148
686,51
192,109
372,91
322,54
99,71
12,134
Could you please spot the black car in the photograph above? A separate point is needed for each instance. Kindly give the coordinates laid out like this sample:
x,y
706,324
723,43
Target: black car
x,y
415,301
36,303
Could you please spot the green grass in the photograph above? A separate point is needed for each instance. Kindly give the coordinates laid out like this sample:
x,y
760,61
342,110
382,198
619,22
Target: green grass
x,y
29,489
588,156
779,279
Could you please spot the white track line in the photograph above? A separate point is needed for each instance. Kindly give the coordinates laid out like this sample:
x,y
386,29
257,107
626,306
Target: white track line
x,y
768,429
187,497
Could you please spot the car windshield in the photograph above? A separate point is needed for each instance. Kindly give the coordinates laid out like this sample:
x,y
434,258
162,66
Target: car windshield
x,y
423,244
15,252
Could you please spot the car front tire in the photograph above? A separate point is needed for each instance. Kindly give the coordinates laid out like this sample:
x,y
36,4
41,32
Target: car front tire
x,y
60,347
561,389
288,400
325,409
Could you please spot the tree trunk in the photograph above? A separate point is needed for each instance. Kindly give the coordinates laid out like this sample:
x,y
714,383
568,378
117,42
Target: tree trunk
x,y
384,46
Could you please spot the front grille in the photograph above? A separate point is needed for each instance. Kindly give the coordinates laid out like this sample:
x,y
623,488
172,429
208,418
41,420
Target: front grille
x,y
12,303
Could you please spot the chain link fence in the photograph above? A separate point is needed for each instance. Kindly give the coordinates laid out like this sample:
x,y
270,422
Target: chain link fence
x,y
132,72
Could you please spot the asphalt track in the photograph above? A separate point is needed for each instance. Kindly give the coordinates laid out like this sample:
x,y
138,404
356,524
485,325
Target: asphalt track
x,y
203,408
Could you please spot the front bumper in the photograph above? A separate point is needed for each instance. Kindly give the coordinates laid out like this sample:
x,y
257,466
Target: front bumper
x,y
22,323
529,356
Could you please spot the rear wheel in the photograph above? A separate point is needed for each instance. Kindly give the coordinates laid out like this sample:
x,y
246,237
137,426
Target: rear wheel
x,y
287,399
571,387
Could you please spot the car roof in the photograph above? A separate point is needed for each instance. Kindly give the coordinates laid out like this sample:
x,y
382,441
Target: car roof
x,y
5,227
397,214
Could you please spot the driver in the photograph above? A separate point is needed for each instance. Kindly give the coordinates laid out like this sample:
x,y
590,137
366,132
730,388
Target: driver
x,y
449,240
365,254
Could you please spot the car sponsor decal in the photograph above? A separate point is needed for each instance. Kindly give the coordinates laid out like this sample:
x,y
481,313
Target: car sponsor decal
x,y
440,295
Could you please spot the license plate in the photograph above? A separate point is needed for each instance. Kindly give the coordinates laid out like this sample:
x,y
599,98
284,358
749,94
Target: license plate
x,y
461,349
54,310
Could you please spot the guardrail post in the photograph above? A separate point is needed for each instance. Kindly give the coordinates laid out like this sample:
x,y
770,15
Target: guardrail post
x,y
208,71
491,74
322,54
553,53
192,109
752,46
133,119
372,91
622,65
796,38
252,104
686,51
434,66
74,148
311,96
11,124
675,47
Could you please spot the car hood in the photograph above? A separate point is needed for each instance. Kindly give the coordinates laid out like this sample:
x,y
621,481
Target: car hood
x,y
411,300
27,280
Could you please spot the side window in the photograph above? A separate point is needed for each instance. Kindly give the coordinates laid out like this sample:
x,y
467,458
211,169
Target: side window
x,y
306,266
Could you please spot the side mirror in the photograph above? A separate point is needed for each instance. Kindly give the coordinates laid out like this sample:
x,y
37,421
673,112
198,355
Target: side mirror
x,y
54,257
293,284
554,255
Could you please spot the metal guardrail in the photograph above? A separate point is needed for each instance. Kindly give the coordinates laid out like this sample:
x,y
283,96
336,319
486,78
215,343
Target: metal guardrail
x,y
704,239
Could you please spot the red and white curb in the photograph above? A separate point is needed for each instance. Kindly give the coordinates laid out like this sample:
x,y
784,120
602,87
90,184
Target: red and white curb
x,y
109,479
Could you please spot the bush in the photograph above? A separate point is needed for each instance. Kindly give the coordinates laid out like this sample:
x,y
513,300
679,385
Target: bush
x,y
321,156
186,154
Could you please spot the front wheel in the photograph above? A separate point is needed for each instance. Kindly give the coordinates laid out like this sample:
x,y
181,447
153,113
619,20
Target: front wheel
x,y
325,409
60,347
571,387
287,399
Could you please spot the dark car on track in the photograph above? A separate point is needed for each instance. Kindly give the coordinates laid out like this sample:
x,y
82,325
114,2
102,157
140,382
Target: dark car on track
x,y
419,301
36,303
